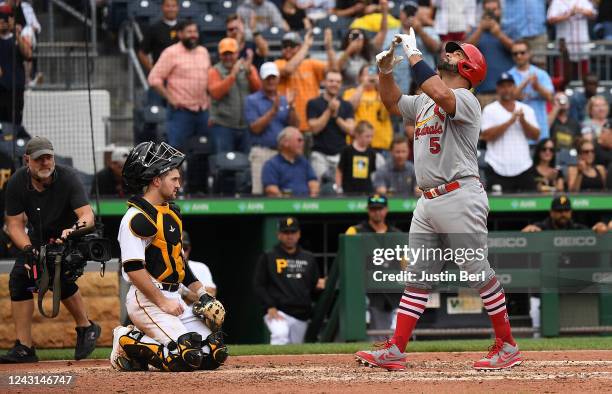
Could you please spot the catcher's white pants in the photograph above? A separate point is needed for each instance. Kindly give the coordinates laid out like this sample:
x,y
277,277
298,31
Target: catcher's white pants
x,y
286,331
159,325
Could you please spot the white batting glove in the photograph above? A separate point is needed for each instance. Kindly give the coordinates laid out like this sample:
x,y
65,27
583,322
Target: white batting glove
x,y
408,43
386,60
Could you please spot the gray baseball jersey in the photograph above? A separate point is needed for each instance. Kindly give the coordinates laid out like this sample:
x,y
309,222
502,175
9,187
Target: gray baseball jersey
x,y
445,148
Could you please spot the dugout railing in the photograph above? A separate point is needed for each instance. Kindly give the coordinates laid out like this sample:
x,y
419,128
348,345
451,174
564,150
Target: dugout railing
x,y
572,266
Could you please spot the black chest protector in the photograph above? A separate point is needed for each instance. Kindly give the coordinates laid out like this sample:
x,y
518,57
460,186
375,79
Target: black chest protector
x,y
163,256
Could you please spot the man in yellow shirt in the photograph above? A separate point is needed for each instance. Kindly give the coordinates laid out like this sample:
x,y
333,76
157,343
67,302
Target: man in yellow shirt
x,y
368,106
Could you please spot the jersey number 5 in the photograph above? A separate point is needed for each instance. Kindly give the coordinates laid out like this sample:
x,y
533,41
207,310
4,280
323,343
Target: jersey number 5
x,y
434,145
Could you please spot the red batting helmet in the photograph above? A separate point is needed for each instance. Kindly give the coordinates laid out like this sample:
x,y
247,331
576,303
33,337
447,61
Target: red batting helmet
x,y
474,68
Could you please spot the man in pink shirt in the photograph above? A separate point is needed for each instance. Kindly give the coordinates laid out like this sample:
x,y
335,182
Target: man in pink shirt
x,y
181,77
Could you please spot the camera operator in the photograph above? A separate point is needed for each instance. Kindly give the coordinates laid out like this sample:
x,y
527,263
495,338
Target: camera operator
x,y
43,203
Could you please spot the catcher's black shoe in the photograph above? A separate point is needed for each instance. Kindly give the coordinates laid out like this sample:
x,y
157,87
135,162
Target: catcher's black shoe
x,y
86,340
19,354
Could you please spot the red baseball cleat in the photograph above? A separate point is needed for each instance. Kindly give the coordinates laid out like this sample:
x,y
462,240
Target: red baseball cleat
x,y
388,357
501,355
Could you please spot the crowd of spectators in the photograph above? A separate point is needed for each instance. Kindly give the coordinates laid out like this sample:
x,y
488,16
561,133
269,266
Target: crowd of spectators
x,y
348,143
247,96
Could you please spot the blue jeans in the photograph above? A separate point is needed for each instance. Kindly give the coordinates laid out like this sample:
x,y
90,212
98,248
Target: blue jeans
x,y
183,124
227,139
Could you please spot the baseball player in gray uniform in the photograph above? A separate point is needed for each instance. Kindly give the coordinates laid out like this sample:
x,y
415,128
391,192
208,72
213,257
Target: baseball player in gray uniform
x,y
452,212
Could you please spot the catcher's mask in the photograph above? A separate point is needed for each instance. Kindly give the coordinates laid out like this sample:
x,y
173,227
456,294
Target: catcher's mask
x,y
147,161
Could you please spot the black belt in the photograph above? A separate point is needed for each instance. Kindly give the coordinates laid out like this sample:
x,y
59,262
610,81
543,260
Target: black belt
x,y
172,287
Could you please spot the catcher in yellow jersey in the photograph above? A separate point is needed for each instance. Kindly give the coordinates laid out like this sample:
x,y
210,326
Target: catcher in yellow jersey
x,y
167,334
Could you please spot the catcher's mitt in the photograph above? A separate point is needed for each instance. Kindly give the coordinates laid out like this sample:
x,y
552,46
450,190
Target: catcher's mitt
x,y
210,310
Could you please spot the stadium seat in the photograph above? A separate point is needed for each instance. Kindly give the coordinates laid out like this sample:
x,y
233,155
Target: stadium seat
x,y
338,25
7,130
221,8
230,173
199,148
144,9
149,123
64,160
566,157
273,34
191,9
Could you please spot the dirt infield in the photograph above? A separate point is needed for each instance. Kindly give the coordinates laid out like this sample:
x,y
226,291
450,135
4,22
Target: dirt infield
x,y
543,372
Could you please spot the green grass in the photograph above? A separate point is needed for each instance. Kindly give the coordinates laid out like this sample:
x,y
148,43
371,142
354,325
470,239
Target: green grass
x,y
462,345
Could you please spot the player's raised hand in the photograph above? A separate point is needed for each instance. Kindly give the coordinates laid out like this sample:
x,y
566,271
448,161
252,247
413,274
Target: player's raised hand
x,y
409,44
386,60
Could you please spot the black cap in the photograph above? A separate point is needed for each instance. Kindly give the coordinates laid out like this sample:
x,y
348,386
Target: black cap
x,y
186,239
561,203
288,225
410,7
505,77
377,201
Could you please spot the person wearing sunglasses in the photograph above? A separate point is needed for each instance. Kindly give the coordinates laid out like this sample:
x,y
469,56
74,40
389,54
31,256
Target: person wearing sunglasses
x,y
547,176
534,86
586,175
234,28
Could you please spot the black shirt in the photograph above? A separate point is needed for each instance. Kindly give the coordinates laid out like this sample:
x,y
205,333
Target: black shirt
x,y
547,224
158,37
331,139
564,134
257,60
357,168
7,46
295,20
605,11
7,167
107,184
57,202
286,281
344,4
603,156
